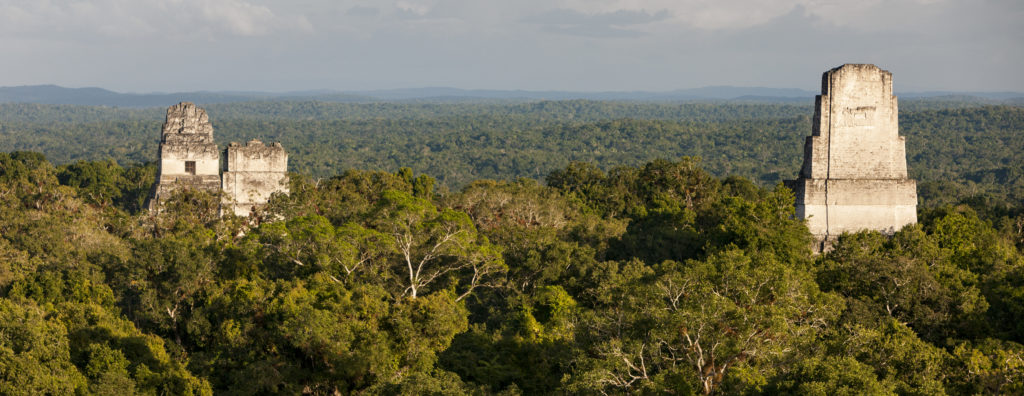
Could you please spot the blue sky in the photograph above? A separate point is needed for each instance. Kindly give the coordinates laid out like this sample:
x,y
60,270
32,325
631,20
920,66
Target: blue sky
x,y
593,45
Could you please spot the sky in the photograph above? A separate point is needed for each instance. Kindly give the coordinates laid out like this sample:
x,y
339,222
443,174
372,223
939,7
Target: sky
x,y
570,45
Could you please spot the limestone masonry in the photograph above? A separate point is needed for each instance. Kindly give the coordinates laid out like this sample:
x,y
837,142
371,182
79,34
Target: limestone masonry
x,y
189,158
188,154
252,173
854,175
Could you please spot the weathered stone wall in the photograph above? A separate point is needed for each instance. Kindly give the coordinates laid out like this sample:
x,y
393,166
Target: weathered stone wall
x,y
834,206
854,175
186,136
186,120
253,173
255,156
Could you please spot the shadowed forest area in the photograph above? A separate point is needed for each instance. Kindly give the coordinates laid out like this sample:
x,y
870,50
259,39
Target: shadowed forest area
x,y
538,248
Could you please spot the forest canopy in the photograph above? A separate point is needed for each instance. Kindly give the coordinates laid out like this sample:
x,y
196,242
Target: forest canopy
x,y
576,273
459,143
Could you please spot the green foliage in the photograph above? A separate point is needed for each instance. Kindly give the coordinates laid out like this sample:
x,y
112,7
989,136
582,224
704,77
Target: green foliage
x,y
832,375
976,146
34,353
907,278
990,367
96,182
622,274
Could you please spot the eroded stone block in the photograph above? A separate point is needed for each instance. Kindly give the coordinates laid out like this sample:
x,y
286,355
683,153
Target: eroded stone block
x,y
253,173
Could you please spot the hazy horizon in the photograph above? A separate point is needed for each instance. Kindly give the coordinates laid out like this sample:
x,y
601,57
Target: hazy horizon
x,y
556,45
537,91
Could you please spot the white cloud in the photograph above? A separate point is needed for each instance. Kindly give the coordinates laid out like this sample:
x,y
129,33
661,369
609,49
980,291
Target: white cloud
x,y
585,17
144,18
415,7
132,18
621,23
238,17
742,14
539,44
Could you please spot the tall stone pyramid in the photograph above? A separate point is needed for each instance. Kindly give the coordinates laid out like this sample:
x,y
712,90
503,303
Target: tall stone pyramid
x,y
188,154
854,175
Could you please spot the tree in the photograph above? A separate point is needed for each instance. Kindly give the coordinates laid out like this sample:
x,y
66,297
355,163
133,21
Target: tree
x,y
98,183
989,366
830,375
432,244
907,278
34,353
166,278
702,320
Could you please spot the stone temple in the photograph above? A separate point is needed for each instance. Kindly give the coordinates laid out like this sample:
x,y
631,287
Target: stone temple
x,y
189,158
252,173
188,154
854,175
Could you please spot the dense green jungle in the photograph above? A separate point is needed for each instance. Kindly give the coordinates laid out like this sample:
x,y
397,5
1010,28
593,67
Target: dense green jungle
x,y
570,247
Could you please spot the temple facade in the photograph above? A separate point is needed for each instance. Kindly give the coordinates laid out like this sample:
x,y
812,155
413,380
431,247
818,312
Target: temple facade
x,y
189,158
854,175
252,173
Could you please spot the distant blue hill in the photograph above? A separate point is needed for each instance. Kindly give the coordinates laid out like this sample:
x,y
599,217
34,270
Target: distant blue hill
x,y
1005,95
705,93
52,94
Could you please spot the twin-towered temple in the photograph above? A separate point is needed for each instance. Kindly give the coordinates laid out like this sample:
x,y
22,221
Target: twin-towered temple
x,y
189,158
854,175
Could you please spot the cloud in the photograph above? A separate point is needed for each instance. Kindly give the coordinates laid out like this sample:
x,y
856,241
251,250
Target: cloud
x,y
609,24
135,19
245,19
413,7
645,44
712,15
362,11
564,16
